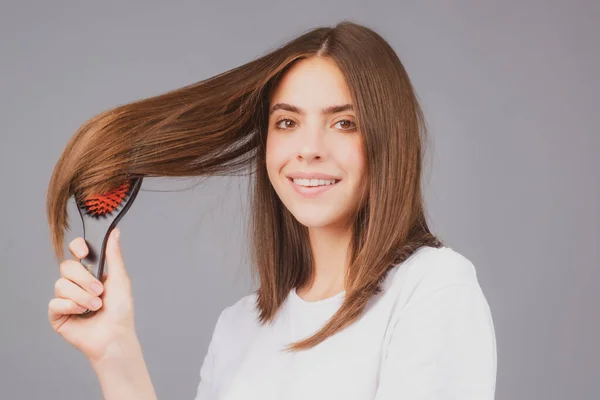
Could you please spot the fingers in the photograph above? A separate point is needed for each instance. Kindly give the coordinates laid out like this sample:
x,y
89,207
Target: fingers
x,y
78,248
67,289
74,271
114,257
77,290
60,306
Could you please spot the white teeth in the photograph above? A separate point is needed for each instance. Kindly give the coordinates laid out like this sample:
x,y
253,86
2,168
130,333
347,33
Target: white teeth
x,y
314,182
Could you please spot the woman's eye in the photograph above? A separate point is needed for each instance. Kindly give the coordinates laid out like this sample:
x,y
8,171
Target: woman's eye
x,y
348,123
277,124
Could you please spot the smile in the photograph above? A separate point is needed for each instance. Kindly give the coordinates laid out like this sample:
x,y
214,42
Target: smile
x,y
311,191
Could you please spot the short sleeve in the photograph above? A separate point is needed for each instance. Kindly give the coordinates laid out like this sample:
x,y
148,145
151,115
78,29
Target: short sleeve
x,y
207,389
443,347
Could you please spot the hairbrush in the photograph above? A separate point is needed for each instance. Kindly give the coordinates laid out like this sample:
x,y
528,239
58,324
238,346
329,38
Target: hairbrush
x,y
100,214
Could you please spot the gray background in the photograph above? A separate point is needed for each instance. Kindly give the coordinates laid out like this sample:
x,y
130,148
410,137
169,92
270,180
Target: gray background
x,y
510,91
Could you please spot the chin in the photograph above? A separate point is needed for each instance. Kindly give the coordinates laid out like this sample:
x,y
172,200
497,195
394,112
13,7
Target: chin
x,y
316,220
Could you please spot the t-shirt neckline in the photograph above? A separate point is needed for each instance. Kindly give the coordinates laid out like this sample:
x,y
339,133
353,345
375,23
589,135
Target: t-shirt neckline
x,y
338,297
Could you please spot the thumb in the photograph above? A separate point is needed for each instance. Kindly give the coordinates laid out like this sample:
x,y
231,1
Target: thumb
x,y
114,258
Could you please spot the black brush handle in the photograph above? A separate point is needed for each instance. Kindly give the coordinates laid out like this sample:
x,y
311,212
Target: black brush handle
x,y
95,236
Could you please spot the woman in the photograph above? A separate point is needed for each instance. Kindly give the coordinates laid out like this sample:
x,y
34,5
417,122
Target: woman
x,y
356,298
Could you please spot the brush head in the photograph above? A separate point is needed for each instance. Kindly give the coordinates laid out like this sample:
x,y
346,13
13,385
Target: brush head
x,y
106,203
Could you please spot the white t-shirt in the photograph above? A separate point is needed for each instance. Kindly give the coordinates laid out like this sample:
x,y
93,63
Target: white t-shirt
x,y
428,335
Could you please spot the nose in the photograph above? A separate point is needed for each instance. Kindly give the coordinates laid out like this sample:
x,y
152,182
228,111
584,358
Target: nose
x,y
311,146
308,155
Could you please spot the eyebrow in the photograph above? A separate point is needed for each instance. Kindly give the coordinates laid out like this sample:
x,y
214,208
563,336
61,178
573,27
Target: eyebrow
x,y
325,111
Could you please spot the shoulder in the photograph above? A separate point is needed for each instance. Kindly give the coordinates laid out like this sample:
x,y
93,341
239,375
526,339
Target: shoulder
x,y
430,269
438,288
231,335
237,317
442,266
439,314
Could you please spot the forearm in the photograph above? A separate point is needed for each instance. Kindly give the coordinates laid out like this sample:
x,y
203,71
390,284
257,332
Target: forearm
x,y
124,374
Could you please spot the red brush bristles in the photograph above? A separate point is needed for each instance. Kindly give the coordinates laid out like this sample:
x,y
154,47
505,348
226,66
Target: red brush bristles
x,y
101,204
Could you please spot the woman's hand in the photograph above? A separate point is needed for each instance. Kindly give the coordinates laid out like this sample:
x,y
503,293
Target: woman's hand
x,y
101,334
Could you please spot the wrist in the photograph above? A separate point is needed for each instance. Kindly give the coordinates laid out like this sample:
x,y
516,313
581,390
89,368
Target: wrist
x,y
122,371
125,349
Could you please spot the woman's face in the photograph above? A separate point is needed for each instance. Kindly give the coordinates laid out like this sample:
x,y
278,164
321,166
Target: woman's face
x,y
304,141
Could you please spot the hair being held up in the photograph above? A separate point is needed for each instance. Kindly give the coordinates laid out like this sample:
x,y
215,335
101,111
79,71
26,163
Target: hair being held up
x,y
218,127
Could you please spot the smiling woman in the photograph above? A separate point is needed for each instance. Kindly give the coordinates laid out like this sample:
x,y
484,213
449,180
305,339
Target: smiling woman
x,y
356,298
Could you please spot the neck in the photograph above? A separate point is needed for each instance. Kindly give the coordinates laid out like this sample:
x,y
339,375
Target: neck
x,y
330,250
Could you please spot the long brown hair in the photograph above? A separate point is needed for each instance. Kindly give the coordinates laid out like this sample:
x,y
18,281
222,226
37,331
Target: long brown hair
x,y
218,127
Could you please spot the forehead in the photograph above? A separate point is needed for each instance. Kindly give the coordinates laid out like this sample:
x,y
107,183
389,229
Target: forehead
x,y
312,84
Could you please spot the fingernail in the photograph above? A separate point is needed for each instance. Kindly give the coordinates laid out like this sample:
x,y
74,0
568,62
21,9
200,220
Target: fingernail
x,y
96,302
79,251
96,288
116,234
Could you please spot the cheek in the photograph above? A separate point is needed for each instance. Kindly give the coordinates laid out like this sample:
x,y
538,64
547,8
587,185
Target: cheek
x,y
275,156
351,157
